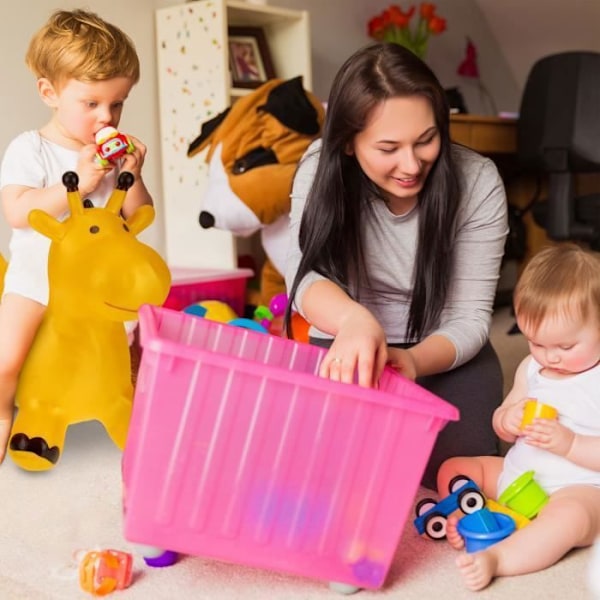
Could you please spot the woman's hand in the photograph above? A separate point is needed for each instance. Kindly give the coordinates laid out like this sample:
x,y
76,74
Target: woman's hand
x,y
359,347
403,361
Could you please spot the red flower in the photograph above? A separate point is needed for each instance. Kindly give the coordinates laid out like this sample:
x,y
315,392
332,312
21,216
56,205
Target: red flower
x,y
437,25
427,10
399,18
376,27
393,25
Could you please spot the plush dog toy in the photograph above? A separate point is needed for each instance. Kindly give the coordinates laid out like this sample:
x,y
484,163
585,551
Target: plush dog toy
x,y
253,151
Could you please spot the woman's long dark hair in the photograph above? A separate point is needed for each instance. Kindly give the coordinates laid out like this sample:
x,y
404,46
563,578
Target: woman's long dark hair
x,y
330,236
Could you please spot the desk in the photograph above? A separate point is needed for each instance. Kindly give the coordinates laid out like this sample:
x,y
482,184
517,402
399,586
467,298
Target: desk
x,y
488,135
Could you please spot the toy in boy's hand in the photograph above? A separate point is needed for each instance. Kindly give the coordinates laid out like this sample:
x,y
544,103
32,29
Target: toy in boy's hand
x,y
110,145
79,367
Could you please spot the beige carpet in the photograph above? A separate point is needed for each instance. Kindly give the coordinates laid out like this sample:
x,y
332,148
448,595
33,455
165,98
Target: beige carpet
x,y
45,518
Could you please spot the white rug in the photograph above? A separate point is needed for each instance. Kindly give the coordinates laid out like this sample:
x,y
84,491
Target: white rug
x,y
47,517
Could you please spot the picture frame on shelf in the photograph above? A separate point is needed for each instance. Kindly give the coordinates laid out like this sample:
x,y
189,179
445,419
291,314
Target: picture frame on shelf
x,y
249,57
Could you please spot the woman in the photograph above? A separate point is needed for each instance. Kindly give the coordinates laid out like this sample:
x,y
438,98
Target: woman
x,y
397,240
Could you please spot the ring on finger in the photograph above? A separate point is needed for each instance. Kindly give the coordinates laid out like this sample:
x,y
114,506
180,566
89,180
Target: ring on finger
x,y
336,361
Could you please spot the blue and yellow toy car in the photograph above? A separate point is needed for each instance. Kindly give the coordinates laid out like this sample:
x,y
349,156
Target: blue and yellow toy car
x,y
432,515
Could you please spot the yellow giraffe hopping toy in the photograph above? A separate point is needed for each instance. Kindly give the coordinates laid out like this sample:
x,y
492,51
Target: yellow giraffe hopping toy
x,y
3,265
78,368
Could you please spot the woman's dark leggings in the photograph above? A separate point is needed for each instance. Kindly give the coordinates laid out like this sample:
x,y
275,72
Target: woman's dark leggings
x,y
476,389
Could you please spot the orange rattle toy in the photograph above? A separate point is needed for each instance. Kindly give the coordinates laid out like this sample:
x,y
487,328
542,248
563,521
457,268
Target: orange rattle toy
x,y
104,571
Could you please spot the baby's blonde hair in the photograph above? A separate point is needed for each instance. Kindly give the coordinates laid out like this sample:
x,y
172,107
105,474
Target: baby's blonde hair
x,y
560,280
80,45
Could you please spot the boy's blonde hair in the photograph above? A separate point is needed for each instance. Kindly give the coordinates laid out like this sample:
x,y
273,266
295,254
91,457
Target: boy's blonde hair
x,y
80,45
560,280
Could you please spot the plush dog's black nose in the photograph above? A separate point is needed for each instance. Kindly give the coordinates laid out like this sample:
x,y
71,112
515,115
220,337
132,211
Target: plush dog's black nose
x,y
206,220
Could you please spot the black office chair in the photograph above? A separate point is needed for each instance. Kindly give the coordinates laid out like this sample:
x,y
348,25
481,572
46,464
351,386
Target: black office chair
x,y
558,135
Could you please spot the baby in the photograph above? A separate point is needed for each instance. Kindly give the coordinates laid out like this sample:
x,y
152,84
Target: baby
x,y
557,306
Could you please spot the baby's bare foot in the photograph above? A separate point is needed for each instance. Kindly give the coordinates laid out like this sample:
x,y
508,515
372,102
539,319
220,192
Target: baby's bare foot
x,y
454,538
477,569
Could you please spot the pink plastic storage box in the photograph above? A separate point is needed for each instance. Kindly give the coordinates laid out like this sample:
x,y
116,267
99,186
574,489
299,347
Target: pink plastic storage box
x,y
194,285
238,450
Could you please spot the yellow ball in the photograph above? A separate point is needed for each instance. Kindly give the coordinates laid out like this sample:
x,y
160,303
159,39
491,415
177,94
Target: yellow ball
x,y
218,311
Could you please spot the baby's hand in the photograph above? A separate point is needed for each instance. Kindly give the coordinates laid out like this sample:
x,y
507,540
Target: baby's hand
x,y
512,417
549,434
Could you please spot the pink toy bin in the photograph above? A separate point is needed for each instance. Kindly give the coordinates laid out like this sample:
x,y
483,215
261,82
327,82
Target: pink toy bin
x,y
238,450
194,285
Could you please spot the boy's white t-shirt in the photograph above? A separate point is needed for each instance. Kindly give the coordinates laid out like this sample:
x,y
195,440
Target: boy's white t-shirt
x,y
32,161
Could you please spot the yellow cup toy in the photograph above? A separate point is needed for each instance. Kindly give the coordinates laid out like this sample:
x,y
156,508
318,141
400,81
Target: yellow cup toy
x,y
537,410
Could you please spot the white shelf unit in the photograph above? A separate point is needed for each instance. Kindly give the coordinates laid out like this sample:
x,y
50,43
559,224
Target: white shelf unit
x,y
194,86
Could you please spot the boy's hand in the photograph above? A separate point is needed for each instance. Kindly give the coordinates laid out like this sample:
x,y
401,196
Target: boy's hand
x,y
549,434
134,161
90,173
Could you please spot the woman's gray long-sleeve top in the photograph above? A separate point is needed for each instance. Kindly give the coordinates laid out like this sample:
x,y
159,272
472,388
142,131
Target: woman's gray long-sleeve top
x,y
390,248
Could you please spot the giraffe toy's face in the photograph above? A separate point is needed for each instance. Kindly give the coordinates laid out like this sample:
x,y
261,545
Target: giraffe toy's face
x,y
97,268
101,270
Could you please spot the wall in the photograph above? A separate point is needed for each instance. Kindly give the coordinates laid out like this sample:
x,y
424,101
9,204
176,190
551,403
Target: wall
x,y
338,28
527,31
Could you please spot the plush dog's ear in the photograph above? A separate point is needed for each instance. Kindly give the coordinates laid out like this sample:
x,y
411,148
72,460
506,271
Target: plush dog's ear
x,y
206,131
290,105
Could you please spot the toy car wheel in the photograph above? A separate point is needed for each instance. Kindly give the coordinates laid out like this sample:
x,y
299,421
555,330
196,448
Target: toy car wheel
x,y
456,483
471,501
166,559
424,505
343,588
435,526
